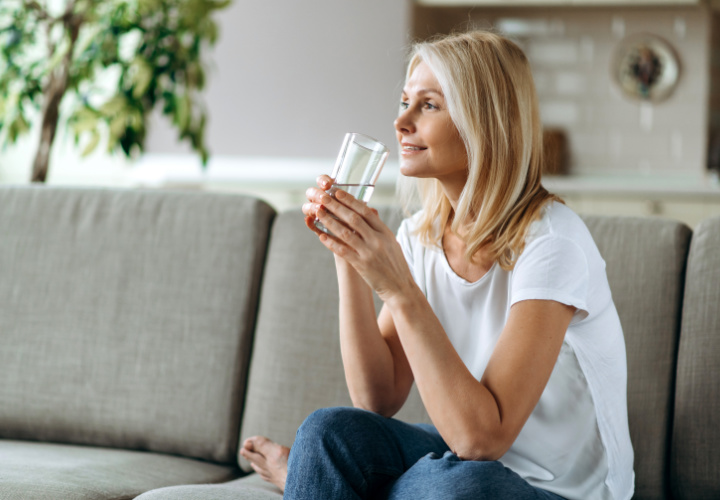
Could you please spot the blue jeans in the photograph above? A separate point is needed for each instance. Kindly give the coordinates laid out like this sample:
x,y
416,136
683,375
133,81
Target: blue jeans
x,y
347,453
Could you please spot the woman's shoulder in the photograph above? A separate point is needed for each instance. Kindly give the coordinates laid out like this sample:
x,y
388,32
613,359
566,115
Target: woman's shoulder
x,y
557,220
562,234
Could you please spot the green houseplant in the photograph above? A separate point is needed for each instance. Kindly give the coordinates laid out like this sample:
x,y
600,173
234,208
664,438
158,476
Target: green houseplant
x,y
109,63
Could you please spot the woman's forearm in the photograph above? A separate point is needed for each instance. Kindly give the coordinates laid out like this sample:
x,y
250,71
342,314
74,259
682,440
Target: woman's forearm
x,y
367,357
463,410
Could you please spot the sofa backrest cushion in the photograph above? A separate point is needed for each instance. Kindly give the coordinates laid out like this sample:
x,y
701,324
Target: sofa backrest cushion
x,y
696,436
296,366
645,262
126,316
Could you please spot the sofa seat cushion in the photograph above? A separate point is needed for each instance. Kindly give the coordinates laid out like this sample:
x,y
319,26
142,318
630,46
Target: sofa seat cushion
x,y
42,471
251,487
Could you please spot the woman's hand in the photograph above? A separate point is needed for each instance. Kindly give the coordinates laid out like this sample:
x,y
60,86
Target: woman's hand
x,y
361,239
310,209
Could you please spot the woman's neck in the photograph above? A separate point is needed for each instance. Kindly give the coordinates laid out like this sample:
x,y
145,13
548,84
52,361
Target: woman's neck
x,y
455,246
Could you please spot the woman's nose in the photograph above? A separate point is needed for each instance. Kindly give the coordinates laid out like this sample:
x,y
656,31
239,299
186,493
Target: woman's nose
x,y
404,122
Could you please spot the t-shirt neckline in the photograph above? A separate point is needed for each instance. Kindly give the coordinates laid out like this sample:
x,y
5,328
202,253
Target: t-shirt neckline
x,y
454,276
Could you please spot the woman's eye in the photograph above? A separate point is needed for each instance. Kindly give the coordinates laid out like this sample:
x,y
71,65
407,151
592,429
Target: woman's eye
x,y
429,105
403,105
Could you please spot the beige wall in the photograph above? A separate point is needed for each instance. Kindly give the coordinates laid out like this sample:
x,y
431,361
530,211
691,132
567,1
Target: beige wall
x,y
571,52
290,78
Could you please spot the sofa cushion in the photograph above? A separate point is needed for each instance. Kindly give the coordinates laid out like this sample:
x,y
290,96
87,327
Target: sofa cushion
x,y
126,316
251,487
41,471
645,259
296,366
696,434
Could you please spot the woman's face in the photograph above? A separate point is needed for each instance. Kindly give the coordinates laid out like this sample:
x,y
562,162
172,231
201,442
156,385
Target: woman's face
x,y
430,144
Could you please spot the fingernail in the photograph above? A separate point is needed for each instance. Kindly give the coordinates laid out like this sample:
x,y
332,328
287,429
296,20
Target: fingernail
x,y
340,194
325,199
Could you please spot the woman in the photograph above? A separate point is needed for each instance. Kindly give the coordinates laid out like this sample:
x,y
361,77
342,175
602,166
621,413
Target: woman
x,y
496,305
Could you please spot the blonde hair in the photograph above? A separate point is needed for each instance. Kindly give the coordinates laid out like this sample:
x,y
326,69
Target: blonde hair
x,y
490,94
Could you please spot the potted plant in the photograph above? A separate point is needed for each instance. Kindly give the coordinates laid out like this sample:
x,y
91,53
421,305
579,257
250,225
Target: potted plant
x,y
109,63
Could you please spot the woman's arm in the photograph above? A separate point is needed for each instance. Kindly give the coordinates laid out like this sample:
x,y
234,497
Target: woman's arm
x,y
478,419
377,373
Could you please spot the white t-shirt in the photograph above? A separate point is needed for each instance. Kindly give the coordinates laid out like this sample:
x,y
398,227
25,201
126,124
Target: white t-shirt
x,y
576,442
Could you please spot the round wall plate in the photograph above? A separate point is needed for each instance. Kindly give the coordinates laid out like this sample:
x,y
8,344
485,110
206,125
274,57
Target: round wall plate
x,y
646,67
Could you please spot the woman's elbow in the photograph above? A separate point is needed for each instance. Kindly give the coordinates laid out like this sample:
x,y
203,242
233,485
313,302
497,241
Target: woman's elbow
x,y
383,408
481,448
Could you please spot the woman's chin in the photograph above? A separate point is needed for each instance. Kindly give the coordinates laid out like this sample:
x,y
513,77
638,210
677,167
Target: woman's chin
x,y
411,171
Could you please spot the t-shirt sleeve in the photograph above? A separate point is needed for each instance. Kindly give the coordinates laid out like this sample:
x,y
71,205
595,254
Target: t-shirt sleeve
x,y
553,268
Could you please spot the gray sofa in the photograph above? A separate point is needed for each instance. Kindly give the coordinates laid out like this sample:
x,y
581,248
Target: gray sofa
x,y
144,334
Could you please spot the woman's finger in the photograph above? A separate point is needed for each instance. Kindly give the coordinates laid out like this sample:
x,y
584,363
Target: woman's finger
x,y
310,223
310,209
310,212
314,194
356,214
324,182
358,206
338,229
338,248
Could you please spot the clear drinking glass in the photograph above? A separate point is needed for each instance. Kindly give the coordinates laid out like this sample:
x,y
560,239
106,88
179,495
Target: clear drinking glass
x,y
357,168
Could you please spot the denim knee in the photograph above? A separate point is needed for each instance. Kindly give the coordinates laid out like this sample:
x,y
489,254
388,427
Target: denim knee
x,y
335,422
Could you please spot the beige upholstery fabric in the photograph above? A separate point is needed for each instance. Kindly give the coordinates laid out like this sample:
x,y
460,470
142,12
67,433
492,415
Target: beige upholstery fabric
x,y
251,487
696,436
126,316
296,366
41,471
645,260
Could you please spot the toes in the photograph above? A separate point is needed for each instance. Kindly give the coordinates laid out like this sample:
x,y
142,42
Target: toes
x,y
256,443
263,452
248,444
257,460
261,443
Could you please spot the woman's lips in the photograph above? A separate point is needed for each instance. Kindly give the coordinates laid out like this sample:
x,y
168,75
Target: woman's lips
x,y
409,149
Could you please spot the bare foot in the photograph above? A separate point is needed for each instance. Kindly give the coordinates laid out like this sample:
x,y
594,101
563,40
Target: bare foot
x,y
267,458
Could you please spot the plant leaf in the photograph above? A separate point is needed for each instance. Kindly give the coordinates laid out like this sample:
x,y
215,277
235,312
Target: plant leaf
x,y
92,143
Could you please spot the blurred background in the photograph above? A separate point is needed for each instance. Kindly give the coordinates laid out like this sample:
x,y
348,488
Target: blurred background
x,y
286,80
